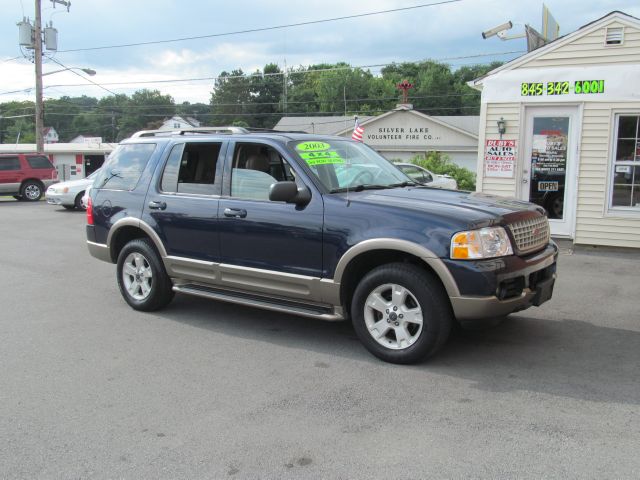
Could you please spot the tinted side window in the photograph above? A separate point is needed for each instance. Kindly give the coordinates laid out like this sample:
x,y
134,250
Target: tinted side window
x,y
169,182
255,168
191,168
39,162
9,163
125,166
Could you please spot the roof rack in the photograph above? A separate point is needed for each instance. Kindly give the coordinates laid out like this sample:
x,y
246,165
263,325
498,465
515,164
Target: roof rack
x,y
206,130
183,131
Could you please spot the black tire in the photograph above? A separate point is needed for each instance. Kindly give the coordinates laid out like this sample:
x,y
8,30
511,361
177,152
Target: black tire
x,y
31,191
77,203
160,291
426,292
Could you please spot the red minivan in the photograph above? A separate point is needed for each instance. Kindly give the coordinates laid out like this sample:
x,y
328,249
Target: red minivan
x,y
26,176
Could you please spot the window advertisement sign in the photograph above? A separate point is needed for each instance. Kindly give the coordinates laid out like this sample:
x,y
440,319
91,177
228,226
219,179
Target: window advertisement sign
x,y
500,158
549,163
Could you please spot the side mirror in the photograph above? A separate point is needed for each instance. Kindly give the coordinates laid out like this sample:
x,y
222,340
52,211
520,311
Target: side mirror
x,y
289,192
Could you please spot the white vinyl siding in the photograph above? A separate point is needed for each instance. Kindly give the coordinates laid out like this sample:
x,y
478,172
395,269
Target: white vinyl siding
x,y
596,223
591,49
510,112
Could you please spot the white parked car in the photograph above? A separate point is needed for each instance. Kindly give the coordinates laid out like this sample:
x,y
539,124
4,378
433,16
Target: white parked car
x,y
425,177
69,194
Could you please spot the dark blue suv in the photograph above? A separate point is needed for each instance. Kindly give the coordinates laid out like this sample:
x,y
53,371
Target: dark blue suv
x,y
316,226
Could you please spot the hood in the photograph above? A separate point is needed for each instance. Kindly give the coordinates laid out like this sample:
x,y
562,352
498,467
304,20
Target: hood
x,y
471,208
82,183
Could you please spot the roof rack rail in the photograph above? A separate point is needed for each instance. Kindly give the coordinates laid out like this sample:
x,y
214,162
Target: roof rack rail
x,y
183,131
204,130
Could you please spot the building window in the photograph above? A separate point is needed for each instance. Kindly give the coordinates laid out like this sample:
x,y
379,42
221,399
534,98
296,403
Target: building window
x,y
625,192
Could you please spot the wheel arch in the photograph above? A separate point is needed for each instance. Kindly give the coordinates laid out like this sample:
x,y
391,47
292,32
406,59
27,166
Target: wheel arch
x,y
369,254
33,180
127,229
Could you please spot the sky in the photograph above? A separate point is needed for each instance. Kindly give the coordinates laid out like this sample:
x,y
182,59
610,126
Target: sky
x,y
443,32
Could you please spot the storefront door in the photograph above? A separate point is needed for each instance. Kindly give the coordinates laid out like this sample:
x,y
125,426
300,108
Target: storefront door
x,y
550,161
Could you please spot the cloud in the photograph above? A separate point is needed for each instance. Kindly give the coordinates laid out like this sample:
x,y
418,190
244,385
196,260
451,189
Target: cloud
x,y
433,32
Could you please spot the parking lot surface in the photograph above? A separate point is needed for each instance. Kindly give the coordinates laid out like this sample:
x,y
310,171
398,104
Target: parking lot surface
x,y
90,388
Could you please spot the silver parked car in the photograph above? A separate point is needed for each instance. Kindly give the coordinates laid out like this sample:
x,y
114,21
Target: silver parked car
x,y
425,177
69,194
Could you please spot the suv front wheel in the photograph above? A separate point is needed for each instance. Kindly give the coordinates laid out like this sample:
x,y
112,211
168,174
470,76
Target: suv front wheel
x,y
142,279
401,313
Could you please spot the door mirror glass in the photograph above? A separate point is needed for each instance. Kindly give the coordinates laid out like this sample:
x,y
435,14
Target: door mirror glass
x,y
283,192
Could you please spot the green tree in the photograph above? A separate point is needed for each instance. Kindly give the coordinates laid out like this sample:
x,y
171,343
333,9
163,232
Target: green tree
x,y
230,98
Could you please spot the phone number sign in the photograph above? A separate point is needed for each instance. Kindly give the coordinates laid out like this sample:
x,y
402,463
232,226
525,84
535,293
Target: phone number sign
x,y
537,89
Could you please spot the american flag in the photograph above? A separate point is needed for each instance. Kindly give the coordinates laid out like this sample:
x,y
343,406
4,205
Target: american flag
x,y
358,131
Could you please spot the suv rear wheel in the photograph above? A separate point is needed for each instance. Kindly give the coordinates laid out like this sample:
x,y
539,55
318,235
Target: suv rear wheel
x,y
401,313
142,279
31,191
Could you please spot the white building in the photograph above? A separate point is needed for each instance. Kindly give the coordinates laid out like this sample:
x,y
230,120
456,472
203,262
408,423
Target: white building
x,y
177,122
86,139
570,115
402,133
50,135
72,160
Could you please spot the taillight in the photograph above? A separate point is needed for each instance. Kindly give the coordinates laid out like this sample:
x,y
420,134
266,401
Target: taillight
x,y
89,212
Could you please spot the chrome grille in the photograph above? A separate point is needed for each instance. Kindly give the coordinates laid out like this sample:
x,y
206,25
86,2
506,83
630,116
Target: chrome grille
x,y
531,234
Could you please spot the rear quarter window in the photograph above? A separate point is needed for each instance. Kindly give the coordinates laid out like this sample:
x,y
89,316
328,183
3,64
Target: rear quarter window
x,y
39,162
9,163
125,165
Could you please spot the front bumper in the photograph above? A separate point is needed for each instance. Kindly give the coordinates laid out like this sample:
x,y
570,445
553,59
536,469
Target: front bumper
x,y
59,198
519,284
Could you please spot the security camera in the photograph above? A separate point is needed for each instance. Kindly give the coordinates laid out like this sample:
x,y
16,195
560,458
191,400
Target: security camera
x,y
496,30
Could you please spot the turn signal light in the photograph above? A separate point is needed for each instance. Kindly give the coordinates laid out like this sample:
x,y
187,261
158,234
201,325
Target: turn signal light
x,y
89,212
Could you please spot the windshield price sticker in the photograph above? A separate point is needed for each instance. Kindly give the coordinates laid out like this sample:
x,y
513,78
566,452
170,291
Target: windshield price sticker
x,y
547,186
328,157
312,146
579,87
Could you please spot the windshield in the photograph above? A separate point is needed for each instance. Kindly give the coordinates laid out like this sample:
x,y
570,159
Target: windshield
x,y
342,165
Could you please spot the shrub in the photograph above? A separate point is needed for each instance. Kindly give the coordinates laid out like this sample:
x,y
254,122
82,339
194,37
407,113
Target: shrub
x,y
441,164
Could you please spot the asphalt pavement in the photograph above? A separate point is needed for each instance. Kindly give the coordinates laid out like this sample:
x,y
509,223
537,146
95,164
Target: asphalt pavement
x,y
90,388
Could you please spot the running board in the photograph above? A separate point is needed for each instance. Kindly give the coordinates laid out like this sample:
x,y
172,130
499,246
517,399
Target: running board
x,y
259,301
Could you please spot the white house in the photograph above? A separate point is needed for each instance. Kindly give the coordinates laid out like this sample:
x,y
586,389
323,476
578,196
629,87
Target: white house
x,y
560,126
50,135
402,133
178,121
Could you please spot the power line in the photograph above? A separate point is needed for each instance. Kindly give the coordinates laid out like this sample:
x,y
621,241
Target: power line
x,y
11,59
83,77
263,29
250,104
260,114
291,72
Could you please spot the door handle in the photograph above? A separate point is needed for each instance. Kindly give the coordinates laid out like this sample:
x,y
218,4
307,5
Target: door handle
x,y
155,205
235,212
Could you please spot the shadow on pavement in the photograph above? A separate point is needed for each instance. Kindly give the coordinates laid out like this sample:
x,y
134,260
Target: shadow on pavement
x,y
568,357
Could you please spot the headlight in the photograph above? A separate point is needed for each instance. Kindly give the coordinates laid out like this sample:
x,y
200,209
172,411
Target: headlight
x,y
487,242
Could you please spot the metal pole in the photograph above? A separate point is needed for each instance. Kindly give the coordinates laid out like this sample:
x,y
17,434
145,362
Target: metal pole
x,y
38,62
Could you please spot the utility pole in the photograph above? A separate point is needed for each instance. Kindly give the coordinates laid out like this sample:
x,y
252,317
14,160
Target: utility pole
x,y
38,62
